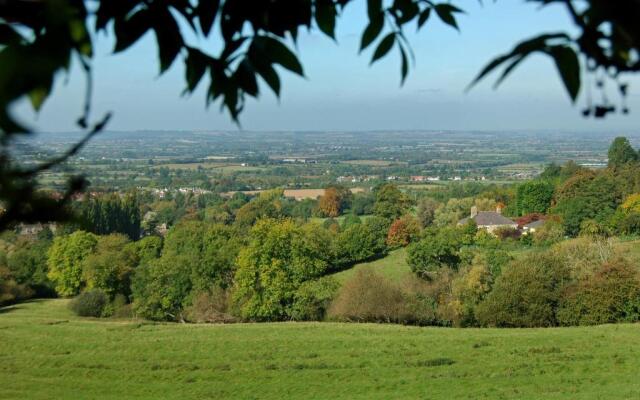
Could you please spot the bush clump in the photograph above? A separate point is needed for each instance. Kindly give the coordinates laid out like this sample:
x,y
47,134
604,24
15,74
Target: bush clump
x,y
211,306
369,297
611,294
312,299
92,303
526,293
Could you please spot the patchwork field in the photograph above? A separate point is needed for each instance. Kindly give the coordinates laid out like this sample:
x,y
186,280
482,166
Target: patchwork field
x,y
46,353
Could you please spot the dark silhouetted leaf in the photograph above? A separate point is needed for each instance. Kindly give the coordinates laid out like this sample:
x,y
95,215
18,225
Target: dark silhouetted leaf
x,y
372,31
404,66
383,47
374,8
405,10
128,31
523,49
569,68
8,35
278,53
196,66
446,13
245,78
207,10
424,16
326,17
169,39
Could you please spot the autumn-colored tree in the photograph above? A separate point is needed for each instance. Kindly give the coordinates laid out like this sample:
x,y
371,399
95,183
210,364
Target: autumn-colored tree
x,y
329,203
403,231
632,203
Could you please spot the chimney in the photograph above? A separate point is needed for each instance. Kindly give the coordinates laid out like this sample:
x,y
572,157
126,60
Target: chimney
x,y
474,211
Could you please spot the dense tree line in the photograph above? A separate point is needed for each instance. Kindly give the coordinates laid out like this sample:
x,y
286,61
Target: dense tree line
x,y
269,258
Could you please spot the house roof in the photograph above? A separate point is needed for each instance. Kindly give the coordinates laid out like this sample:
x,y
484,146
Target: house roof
x,y
534,224
489,218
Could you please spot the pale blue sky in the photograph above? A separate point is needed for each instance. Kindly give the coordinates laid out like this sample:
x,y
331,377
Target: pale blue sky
x,y
341,92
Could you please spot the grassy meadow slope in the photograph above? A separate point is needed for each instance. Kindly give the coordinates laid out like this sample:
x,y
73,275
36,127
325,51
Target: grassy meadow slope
x,y
46,352
394,266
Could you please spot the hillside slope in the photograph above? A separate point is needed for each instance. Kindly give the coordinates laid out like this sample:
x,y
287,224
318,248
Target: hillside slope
x,y
45,353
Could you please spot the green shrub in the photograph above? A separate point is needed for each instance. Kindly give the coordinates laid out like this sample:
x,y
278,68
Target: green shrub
x,y
437,250
211,307
551,232
526,294
368,297
611,294
92,303
312,299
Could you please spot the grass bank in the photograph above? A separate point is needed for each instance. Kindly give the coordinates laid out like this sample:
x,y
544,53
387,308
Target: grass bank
x,y
45,353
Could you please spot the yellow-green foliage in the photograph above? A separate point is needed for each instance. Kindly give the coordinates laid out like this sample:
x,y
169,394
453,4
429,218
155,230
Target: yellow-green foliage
x,y
65,259
632,203
280,256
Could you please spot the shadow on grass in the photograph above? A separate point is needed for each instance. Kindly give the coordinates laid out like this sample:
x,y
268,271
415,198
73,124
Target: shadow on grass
x,y
18,305
8,309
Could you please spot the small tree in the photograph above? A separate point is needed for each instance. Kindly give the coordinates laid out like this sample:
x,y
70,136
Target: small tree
x,y
438,249
621,152
279,258
390,203
65,260
427,211
329,203
403,231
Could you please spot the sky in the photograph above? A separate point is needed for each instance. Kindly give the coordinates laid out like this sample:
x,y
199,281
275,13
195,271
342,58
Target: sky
x,y
342,92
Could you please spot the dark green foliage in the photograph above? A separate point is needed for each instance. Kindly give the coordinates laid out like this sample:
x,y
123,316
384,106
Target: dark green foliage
x,y
359,242
363,203
267,205
112,214
526,294
90,304
390,203
611,294
110,265
621,152
587,195
629,224
534,197
312,299
196,257
426,211
436,250
28,265
350,219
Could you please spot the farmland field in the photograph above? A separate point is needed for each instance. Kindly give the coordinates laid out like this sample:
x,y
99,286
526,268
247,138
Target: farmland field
x,y
46,352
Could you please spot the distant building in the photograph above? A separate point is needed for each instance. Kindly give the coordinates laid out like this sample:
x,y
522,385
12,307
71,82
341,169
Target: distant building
x,y
532,226
489,220
418,178
433,178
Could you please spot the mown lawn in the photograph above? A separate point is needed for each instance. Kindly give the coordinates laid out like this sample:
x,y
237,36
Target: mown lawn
x,y
46,353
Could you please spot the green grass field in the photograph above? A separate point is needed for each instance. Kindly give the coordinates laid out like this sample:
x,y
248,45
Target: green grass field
x,y
394,266
46,353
